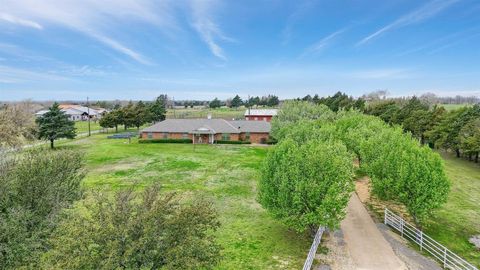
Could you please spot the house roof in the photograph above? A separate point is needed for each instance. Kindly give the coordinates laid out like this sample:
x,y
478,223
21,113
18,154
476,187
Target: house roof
x,y
261,112
208,126
252,126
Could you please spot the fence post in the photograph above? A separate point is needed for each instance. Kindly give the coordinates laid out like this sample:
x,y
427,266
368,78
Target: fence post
x,y
385,216
444,257
421,240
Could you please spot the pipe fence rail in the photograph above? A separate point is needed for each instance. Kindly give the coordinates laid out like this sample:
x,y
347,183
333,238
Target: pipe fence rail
x,y
449,259
313,248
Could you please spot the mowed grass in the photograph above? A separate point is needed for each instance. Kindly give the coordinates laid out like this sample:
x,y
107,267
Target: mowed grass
x,y
82,126
459,218
250,237
224,112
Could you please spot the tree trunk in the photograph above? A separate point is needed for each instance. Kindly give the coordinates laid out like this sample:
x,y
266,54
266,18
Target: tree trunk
x,y
116,128
51,143
476,157
458,152
125,127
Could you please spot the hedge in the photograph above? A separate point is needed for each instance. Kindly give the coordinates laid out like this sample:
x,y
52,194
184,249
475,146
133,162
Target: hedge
x,y
165,141
232,142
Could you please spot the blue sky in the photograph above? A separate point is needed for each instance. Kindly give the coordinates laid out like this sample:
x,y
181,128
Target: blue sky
x,y
126,49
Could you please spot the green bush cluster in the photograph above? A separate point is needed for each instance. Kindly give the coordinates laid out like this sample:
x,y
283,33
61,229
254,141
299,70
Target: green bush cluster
x,y
165,141
232,142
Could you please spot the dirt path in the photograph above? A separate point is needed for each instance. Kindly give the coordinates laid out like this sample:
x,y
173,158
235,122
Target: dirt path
x,y
365,243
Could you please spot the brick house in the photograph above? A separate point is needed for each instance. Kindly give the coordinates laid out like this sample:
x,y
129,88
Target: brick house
x,y
208,131
260,114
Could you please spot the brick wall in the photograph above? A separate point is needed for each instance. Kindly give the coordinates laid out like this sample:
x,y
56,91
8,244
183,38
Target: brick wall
x,y
254,137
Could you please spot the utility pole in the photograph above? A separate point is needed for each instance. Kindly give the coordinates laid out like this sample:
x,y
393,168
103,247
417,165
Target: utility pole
x,y
88,112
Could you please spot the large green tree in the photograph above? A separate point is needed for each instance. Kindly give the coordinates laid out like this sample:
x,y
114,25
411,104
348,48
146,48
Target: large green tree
x,y
34,187
215,103
307,185
158,108
54,125
146,230
236,102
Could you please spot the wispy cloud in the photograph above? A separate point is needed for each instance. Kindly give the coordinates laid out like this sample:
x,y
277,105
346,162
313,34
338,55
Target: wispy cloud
x,y
17,75
205,26
323,43
419,15
93,18
297,13
15,20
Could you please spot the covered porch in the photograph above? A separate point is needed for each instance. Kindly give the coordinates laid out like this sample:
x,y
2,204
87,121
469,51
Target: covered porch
x,y
203,135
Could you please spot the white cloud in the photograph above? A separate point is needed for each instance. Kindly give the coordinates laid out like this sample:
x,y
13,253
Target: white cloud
x,y
205,26
15,20
421,14
93,18
322,43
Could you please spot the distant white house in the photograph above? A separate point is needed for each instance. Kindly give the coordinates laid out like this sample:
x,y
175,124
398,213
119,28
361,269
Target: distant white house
x,y
78,112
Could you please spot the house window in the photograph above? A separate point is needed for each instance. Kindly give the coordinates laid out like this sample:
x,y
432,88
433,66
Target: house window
x,y
226,137
185,135
256,118
247,136
264,119
165,135
150,135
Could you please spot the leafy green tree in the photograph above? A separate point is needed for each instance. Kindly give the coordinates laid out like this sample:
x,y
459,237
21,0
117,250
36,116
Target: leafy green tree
x,y
386,110
215,103
158,108
418,123
142,114
136,231
272,101
307,185
470,138
109,121
236,102
54,125
34,187
413,104
293,111
128,114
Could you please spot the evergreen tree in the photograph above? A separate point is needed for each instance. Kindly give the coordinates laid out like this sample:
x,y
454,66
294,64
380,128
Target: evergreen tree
x,y
54,125
236,102
215,103
158,109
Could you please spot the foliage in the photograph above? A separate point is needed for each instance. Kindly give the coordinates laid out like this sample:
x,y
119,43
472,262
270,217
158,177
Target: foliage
x,y
165,141
340,101
307,185
34,187
236,102
147,231
232,142
470,138
142,114
270,101
215,103
293,111
158,109
54,125
17,125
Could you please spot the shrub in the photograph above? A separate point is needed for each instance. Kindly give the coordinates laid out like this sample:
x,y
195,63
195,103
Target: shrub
x,y
232,142
34,187
165,141
147,230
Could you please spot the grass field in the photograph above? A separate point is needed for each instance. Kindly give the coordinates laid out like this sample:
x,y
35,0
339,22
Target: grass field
x,y
224,112
82,126
459,218
451,107
227,174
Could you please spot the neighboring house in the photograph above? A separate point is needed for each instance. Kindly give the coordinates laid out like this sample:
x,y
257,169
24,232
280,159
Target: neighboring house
x,y
209,130
260,114
78,112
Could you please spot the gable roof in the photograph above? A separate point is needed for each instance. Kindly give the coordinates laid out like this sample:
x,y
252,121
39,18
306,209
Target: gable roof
x,y
208,126
261,112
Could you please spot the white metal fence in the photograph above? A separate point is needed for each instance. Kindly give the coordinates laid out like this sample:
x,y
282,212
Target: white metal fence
x,y
449,259
313,248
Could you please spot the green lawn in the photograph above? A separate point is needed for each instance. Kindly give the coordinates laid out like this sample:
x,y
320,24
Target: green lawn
x,y
227,174
82,126
459,218
451,107
224,112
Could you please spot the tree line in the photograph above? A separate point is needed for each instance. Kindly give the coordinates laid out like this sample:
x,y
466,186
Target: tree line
x,y
237,101
307,178
456,130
